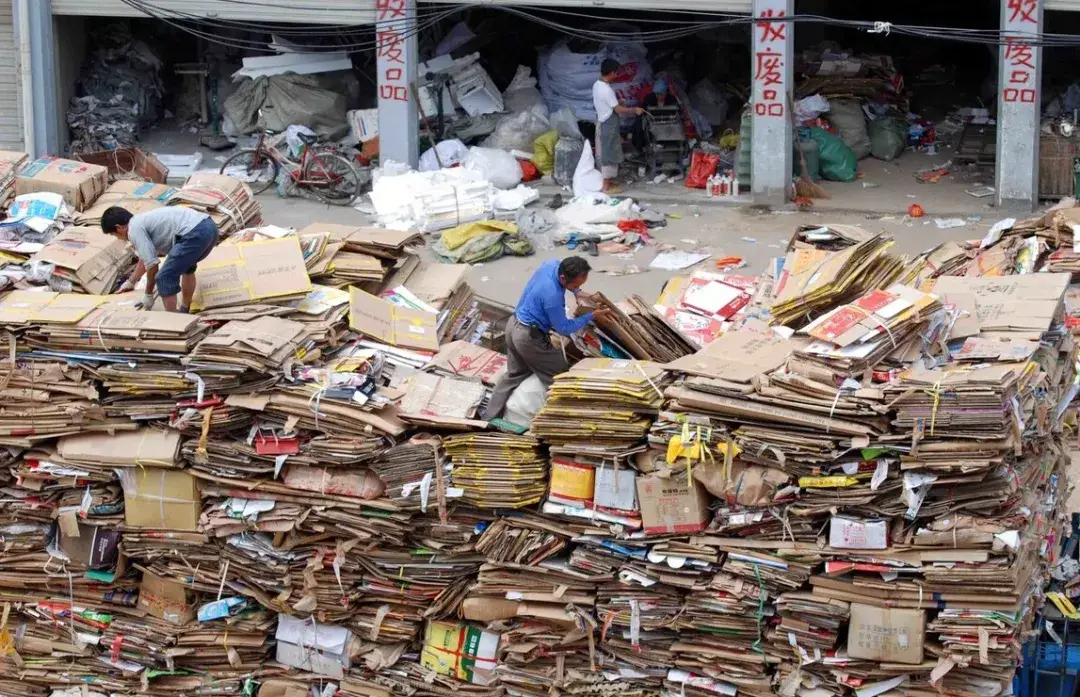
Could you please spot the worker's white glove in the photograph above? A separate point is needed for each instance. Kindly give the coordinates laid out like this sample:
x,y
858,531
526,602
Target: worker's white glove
x,y
147,302
128,286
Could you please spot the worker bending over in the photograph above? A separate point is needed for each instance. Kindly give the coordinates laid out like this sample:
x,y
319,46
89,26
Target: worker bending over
x,y
542,308
186,236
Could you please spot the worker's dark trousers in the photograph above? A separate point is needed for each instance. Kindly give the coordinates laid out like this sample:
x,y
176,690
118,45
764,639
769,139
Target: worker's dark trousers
x,y
528,352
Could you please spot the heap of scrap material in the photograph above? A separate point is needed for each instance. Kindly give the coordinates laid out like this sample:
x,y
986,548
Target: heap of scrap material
x,y
846,482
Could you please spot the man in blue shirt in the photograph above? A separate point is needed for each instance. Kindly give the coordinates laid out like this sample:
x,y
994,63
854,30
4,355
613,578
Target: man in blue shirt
x,y
541,310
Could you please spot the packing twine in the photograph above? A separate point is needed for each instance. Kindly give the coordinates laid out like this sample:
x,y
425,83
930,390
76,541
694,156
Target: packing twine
x,y
756,646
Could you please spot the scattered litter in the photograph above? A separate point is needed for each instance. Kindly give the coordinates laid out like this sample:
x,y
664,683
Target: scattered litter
x,y
687,240
751,240
947,223
981,191
870,185
676,261
916,211
730,263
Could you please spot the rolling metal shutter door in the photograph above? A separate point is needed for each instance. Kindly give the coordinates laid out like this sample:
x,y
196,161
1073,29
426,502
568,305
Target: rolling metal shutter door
x,y
11,129
1067,5
306,11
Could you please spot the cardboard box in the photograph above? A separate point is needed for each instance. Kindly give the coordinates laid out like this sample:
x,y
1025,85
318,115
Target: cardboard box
x,y
250,272
160,498
398,326
137,197
123,161
87,257
165,599
853,533
672,505
460,650
146,447
886,634
616,489
319,648
572,483
80,183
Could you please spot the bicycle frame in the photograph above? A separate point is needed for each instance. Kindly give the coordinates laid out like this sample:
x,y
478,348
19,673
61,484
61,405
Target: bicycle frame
x,y
294,172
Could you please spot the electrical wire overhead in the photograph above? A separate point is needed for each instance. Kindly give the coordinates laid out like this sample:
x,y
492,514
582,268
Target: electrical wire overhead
x,y
429,16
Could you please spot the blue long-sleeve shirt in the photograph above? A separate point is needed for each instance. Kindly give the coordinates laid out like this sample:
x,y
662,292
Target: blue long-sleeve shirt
x,y
543,302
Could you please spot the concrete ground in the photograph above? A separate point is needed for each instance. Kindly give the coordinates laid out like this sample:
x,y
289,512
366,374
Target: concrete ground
x,y
878,200
721,231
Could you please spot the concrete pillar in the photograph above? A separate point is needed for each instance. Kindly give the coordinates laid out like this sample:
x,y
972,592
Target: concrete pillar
x,y
770,77
43,109
1019,97
395,37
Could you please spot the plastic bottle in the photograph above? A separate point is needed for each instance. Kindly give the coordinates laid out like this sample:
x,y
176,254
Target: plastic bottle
x,y
710,184
734,184
725,185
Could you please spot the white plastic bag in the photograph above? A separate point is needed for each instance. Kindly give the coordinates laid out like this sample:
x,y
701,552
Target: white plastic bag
x,y
525,402
587,179
497,166
518,131
451,152
565,123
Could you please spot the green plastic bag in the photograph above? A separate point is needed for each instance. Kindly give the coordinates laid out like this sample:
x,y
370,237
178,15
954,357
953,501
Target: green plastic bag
x,y
838,161
544,152
888,138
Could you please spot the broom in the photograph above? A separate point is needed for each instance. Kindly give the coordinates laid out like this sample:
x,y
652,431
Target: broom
x,y
805,186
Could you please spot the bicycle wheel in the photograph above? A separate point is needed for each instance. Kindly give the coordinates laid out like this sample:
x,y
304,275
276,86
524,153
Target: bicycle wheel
x,y
254,167
332,178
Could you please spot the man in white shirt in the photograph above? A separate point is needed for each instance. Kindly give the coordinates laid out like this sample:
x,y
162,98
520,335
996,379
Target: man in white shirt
x,y
608,140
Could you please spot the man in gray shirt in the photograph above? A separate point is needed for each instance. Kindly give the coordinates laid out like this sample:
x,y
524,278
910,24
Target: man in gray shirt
x,y
186,236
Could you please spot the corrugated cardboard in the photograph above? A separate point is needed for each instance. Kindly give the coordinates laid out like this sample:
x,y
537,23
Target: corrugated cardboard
x,y
135,196
467,360
736,357
165,599
853,533
1024,305
390,324
251,272
146,447
672,505
95,547
886,634
615,489
313,646
92,259
160,498
80,183
21,306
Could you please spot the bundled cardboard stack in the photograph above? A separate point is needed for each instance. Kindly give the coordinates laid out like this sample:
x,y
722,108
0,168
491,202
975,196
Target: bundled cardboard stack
x,y
228,201
290,494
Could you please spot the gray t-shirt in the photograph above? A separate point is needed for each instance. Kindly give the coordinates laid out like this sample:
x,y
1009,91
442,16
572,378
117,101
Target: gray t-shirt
x,y
153,234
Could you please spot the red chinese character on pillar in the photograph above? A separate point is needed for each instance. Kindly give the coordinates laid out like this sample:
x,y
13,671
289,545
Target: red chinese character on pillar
x,y
390,9
1019,53
1023,10
389,43
396,93
772,31
769,64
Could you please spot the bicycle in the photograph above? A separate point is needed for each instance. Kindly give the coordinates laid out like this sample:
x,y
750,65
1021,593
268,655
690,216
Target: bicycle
x,y
331,177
